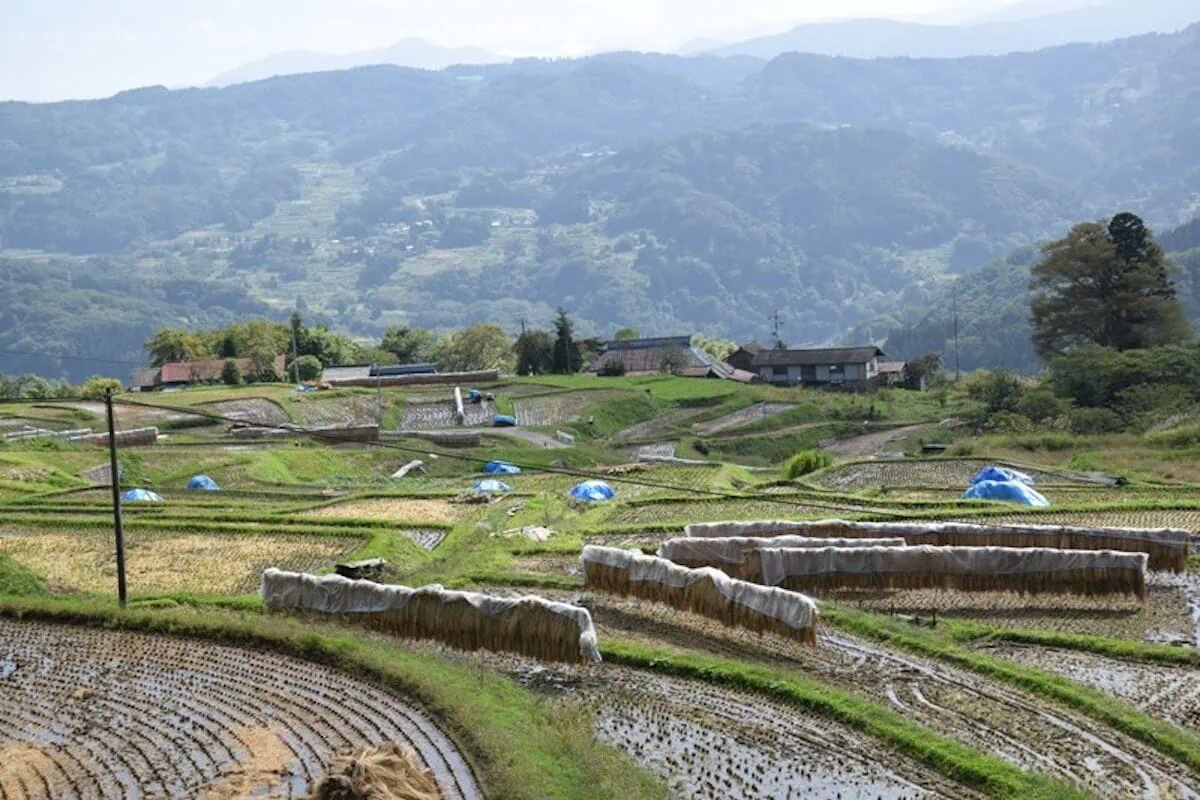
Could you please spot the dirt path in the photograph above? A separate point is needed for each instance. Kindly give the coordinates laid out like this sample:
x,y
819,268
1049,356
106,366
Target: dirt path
x,y
100,714
535,438
870,444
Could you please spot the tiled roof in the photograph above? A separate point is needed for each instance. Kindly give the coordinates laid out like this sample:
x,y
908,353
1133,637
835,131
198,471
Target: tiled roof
x,y
208,369
648,344
886,367
829,355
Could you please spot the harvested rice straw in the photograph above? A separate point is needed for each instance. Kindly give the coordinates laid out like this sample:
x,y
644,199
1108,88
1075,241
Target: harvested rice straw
x,y
729,556
384,772
969,569
529,625
706,591
1167,547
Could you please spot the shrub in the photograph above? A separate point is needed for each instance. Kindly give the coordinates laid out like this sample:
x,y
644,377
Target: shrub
x,y
97,387
997,391
1146,404
1040,405
1181,437
805,462
612,368
231,373
1007,422
1095,420
309,367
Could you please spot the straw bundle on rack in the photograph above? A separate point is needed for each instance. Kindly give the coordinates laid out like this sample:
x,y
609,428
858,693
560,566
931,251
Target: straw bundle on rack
x,y
729,554
1036,570
529,625
1167,548
706,591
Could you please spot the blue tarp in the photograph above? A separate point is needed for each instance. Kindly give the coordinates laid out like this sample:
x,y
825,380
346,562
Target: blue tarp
x,y
501,468
504,421
203,483
492,485
475,396
140,496
1007,492
1002,474
592,491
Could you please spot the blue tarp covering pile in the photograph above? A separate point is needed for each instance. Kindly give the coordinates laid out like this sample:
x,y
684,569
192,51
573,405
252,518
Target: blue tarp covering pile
x,y
1007,492
492,485
1002,474
475,396
503,421
592,491
203,483
501,468
140,496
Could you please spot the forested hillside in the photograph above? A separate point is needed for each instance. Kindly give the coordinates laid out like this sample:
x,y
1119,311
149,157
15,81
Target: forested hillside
x,y
668,193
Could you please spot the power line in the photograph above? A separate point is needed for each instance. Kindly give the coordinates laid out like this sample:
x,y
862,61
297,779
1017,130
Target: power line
x,y
567,471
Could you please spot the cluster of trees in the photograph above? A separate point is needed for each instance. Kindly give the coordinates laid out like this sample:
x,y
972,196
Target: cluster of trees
x,y
35,387
1118,350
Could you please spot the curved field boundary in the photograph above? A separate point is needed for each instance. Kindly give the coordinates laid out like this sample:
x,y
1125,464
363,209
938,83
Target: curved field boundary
x,y
130,714
520,748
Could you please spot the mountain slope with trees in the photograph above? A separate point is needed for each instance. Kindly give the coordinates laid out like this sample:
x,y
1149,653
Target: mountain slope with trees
x,y
665,193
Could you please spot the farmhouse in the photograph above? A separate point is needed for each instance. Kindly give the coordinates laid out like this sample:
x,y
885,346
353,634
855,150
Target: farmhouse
x,y
743,357
176,374
852,367
664,354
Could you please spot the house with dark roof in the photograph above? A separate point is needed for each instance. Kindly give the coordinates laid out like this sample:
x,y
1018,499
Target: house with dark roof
x,y
176,374
743,357
664,354
849,367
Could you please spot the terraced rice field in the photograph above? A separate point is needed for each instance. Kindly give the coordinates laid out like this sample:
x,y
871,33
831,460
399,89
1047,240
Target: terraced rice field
x,y
84,561
392,508
440,415
555,409
739,419
685,511
358,409
1017,727
660,450
101,714
933,473
658,426
1185,519
256,410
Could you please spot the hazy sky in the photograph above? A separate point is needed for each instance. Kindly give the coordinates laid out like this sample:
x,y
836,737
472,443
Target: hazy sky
x,y
54,49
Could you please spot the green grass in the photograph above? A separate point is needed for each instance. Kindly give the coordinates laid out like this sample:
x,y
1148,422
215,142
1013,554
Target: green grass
x,y
772,448
989,774
523,748
967,632
1181,745
18,581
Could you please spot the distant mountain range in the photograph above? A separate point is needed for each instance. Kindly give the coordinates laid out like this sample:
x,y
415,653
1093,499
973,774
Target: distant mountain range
x,y
417,53
1004,31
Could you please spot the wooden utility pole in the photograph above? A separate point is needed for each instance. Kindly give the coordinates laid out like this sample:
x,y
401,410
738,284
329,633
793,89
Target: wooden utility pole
x,y
116,495
295,358
957,371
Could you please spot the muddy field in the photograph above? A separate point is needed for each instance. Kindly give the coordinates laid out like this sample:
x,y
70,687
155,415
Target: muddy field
x,y
739,419
660,450
555,409
658,426
353,410
102,714
429,416
83,561
991,716
254,410
947,473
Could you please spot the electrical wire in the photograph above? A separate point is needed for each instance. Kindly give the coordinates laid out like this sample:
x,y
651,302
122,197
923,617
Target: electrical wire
x,y
567,471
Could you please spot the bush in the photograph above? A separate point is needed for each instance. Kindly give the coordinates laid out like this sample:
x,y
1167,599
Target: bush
x,y
1095,420
96,388
612,368
1008,422
231,373
805,462
309,368
997,391
1144,405
1182,437
1041,405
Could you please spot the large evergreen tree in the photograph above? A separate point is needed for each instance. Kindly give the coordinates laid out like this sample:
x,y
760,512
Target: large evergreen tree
x,y
566,351
535,353
1104,285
